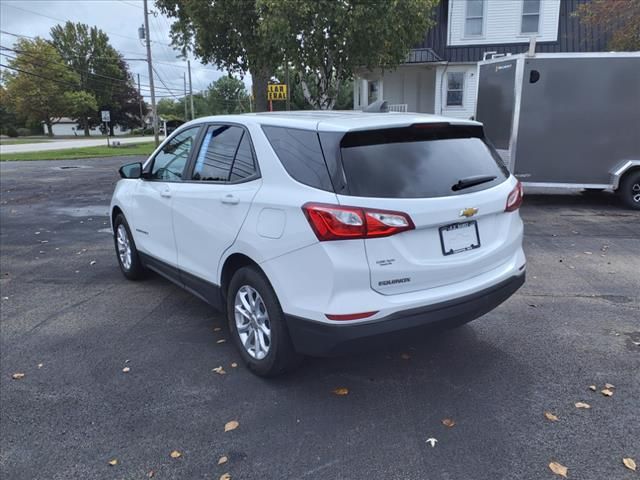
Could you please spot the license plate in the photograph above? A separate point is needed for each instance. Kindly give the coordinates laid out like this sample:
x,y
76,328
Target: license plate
x,y
459,237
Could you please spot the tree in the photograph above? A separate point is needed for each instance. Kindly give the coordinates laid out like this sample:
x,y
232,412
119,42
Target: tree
x,y
101,71
227,33
80,104
7,113
328,39
344,100
37,82
227,95
621,19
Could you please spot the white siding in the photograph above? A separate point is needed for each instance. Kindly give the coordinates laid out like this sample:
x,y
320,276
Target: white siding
x,y
70,129
468,107
502,22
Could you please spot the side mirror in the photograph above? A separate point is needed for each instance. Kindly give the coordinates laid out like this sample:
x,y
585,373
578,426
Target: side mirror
x,y
131,170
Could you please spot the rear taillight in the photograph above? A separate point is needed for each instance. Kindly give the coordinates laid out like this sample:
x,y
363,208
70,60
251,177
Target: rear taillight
x,y
514,200
337,222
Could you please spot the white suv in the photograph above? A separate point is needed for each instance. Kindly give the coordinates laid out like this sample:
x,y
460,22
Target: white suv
x,y
319,231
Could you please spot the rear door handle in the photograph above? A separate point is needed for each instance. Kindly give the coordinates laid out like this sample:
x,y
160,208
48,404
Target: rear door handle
x,y
166,192
230,199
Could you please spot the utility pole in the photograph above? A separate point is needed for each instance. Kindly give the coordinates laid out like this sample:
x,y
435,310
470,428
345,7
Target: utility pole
x,y
154,110
193,113
288,85
186,112
140,102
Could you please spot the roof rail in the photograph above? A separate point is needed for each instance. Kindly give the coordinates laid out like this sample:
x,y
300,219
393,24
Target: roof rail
x,y
379,106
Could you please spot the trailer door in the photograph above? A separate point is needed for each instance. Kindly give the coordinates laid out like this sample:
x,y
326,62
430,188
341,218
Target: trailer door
x,y
496,104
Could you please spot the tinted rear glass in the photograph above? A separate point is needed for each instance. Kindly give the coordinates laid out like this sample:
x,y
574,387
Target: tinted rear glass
x,y
300,153
418,162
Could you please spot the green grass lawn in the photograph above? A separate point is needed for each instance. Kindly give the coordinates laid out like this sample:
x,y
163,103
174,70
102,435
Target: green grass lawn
x,y
86,152
20,141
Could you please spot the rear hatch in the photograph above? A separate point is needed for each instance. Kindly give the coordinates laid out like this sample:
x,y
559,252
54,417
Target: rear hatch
x,y
452,185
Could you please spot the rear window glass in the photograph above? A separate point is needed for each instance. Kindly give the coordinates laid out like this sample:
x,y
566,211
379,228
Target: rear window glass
x,y
419,162
300,153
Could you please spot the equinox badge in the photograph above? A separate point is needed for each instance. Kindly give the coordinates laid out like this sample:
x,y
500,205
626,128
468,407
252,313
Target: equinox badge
x,y
468,212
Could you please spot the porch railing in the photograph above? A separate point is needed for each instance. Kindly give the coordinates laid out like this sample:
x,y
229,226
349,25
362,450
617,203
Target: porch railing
x,y
397,107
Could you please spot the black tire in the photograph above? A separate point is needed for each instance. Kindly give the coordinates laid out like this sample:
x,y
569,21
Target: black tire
x,y
629,189
135,271
281,356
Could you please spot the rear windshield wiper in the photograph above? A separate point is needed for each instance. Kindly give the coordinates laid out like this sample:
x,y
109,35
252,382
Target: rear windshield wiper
x,y
472,182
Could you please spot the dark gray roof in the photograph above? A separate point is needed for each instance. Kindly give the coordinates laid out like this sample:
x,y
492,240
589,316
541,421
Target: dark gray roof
x,y
573,36
422,55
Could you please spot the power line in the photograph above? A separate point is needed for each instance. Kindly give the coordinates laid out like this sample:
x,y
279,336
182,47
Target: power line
x,y
42,60
67,20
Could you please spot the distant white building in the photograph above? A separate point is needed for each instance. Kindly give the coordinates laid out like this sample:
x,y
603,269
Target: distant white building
x,y
439,75
68,127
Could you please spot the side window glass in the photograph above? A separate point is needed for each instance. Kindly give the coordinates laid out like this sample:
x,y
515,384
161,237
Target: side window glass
x,y
169,163
300,153
244,164
216,155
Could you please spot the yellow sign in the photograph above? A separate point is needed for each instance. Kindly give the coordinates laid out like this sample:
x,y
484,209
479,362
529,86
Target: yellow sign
x,y
276,91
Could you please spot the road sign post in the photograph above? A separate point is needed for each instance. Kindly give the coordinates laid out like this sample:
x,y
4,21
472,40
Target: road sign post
x,y
106,118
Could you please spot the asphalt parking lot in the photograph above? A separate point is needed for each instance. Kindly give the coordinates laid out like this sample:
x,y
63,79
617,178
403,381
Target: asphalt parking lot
x,y
71,323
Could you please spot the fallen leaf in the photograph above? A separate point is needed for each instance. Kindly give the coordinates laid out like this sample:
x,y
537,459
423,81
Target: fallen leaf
x,y
40,365
558,469
629,463
593,388
448,422
582,405
217,329
234,365
225,476
588,253
17,376
151,473
219,371
175,454
609,386
113,462
432,441
126,370
551,416
222,340
340,391
223,459
405,356
92,262
232,425
606,392
533,305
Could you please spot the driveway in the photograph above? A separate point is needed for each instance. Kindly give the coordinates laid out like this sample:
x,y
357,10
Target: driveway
x,y
66,143
71,323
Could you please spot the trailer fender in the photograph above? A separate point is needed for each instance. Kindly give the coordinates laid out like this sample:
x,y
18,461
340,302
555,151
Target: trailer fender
x,y
619,170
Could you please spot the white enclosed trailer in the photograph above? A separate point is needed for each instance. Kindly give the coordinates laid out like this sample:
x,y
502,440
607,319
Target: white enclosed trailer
x,y
568,120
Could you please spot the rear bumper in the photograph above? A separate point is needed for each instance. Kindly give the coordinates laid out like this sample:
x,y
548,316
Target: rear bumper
x,y
323,339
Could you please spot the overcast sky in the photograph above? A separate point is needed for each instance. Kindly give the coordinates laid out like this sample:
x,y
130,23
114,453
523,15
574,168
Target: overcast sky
x,y
120,19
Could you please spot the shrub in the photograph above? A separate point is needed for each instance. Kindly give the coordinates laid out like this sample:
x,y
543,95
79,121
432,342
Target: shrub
x,y
12,132
23,132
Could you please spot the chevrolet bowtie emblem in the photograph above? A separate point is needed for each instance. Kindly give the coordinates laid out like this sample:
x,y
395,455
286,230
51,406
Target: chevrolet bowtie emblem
x,y
468,212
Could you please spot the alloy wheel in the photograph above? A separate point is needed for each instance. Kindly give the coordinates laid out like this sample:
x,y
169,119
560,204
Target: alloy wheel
x,y
252,322
124,247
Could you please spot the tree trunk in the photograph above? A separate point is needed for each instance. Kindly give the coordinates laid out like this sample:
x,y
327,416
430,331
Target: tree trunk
x,y
49,128
111,126
86,127
260,78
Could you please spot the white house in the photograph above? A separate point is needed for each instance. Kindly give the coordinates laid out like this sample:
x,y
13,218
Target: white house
x,y
69,127
439,75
